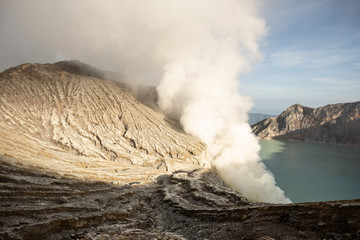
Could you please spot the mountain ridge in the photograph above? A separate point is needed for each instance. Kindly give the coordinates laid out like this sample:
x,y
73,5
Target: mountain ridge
x,y
333,123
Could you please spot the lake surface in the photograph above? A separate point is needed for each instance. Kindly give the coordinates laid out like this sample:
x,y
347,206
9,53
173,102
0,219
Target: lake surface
x,y
310,172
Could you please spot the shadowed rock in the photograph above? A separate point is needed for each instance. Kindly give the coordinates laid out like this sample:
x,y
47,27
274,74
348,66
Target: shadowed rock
x,y
187,204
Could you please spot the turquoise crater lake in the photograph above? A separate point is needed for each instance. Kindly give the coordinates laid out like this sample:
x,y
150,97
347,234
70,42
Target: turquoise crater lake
x,y
309,172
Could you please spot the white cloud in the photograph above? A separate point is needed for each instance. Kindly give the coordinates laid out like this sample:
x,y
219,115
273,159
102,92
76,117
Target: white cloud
x,y
337,84
357,64
295,57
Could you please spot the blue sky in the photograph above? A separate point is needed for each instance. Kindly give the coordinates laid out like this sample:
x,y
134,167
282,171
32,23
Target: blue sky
x,y
311,55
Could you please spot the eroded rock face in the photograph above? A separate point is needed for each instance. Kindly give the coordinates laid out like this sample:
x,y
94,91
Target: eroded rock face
x,y
336,123
51,113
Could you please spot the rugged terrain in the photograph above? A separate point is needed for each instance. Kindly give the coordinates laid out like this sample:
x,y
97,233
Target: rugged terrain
x,y
82,158
50,116
335,123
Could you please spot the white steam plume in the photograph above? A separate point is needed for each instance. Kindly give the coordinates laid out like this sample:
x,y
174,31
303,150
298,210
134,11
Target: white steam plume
x,y
196,48
200,87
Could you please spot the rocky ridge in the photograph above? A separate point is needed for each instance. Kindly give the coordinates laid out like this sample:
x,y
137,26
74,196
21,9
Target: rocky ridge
x,y
81,158
334,123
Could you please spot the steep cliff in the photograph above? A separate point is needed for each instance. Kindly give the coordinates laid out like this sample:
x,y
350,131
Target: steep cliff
x,y
335,123
82,158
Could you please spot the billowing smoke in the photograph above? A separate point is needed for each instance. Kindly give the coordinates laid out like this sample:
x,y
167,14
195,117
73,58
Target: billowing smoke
x,y
193,50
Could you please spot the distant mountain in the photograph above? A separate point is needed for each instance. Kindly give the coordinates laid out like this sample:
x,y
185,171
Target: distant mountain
x,y
335,123
257,117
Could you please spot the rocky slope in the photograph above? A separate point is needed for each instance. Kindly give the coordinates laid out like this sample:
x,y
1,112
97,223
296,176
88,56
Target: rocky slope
x,y
49,115
81,158
335,123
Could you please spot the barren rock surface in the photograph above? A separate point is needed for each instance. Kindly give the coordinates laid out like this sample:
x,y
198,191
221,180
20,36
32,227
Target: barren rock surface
x,y
81,158
182,205
72,123
334,123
